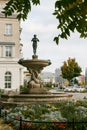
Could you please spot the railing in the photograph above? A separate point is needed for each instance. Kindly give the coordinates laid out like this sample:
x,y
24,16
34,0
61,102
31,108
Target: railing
x,y
73,125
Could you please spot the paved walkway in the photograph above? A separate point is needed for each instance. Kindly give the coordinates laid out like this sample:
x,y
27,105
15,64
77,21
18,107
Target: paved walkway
x,y
79,96
4,126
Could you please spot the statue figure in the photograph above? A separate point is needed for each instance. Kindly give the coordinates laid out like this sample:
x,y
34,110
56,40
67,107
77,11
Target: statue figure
x,y
35,81
35,40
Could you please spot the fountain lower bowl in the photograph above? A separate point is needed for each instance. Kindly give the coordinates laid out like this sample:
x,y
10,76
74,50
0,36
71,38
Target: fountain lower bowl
x,y
21,99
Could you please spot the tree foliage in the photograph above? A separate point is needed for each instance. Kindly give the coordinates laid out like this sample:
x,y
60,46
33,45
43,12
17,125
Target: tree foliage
x,y
70,69
22,7
71,15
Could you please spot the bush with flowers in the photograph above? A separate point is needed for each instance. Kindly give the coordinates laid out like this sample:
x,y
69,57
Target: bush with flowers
x,y
48,116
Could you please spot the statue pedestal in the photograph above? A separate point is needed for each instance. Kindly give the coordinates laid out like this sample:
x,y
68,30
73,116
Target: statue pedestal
x,y
34,56
38,91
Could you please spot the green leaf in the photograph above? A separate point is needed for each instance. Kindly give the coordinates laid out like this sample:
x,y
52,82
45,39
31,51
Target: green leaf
x,y
63,35
72,26
56,39
36,2
58,5
67,32
14,6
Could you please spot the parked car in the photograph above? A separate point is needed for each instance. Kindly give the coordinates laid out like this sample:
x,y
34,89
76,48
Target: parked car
x,y
79,88
69,89
74,89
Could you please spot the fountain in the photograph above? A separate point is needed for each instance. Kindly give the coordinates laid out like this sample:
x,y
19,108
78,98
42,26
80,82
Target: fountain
x,y
35,66
36,92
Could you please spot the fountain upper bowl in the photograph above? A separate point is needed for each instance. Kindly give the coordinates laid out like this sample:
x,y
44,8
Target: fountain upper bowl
x,y
34,63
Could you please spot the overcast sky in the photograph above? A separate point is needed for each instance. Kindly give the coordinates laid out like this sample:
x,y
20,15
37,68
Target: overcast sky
x,y
41,22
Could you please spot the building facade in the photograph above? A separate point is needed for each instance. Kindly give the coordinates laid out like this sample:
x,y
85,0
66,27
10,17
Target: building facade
x,y
47,77
59,80
11,73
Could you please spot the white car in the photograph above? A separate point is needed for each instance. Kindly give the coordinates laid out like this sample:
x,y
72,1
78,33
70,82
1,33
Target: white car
x,y
79,88
69,89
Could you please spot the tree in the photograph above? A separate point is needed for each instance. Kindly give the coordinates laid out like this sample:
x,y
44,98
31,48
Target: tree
x,y
71,15
75,81
70,69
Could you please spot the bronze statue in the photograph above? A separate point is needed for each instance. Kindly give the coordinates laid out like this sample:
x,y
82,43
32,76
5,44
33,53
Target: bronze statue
x,y
35,40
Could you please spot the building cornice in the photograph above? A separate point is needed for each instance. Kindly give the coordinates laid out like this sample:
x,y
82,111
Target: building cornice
x,y
14,16
7,43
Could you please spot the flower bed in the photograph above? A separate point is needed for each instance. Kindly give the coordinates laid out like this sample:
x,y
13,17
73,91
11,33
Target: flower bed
x,y
49,116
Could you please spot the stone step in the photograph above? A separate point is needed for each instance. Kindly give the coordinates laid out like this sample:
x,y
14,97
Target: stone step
x,y
34,98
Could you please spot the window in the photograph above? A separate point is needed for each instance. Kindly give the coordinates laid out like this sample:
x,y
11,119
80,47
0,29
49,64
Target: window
x,y
8,77
8,51
8,29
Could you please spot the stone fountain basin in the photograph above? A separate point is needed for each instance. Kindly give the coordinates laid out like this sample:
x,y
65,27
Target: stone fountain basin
x,y
35,63
34,98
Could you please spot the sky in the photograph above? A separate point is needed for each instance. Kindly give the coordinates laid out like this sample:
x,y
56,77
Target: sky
x,y
41,22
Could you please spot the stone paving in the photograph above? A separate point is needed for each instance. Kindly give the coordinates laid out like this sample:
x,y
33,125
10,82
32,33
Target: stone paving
x,y
79,96
4,126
